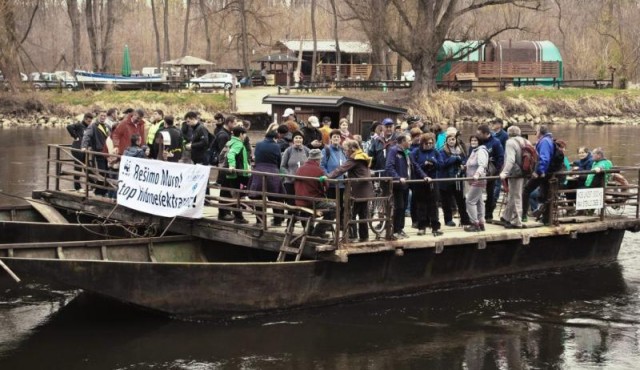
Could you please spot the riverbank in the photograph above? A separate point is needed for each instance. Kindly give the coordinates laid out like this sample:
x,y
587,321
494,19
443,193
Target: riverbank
x,y
527,105
53,108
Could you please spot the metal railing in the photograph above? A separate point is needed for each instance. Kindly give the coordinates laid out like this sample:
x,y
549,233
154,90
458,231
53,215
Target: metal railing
x,y
264,205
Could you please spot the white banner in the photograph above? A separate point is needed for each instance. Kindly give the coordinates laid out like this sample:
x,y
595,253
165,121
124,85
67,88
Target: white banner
x,y
589,198
162,188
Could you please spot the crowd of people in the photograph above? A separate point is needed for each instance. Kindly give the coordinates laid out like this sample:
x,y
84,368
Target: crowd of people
x,y
432,167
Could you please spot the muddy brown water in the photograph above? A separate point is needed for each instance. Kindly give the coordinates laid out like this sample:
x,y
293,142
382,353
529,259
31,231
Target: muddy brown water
x,y
573,319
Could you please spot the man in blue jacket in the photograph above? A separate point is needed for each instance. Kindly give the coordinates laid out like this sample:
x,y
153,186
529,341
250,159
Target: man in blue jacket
x,y
496,160
545,148
401,166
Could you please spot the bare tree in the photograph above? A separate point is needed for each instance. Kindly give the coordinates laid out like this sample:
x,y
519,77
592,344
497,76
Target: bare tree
x,y
9,44
185,40
156,34
74,18
100,31
314,33
335,36
423,27
167,51
373,18
205,18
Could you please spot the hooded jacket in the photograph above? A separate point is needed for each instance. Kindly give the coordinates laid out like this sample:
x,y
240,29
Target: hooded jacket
x,y
356,167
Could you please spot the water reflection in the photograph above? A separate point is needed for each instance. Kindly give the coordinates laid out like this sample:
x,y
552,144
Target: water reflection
x,y
501,324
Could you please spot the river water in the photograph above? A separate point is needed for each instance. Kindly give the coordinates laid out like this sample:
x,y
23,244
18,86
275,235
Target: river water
x,y
576,319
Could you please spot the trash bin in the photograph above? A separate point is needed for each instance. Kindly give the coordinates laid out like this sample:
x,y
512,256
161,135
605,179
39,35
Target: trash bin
x,y
271,79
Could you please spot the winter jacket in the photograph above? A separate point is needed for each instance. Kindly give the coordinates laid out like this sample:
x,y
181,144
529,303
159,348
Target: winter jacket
x,y
478,162
604,164
121,136
134,151
585,163
311,134
502,136
513,157
76,130
237,158
95,137
421,156
496,152
332,158
401,165
175,146
268,151
357,167
292,159
309,187
545,148
199,143
378,151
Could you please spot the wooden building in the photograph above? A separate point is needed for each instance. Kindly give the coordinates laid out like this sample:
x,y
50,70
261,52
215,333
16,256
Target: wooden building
x,y
355,58
361,114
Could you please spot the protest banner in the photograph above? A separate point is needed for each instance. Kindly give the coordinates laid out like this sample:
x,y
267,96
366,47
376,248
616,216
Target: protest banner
x,y
162,188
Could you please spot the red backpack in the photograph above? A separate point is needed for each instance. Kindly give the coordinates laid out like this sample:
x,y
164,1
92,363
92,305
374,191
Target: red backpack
x,y
529,157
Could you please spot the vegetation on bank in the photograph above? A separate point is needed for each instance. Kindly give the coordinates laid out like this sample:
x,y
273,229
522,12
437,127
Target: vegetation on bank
x,y
564,103
538,102
65,103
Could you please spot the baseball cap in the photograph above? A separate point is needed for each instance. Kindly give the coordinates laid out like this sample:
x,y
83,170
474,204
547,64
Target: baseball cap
x,y
288,112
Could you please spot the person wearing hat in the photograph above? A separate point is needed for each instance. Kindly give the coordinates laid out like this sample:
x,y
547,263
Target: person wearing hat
x,y
325,129
314,188
380,145
289,117
312,134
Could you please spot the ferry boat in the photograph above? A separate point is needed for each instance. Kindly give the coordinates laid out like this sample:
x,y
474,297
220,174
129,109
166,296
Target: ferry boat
x,y
207,268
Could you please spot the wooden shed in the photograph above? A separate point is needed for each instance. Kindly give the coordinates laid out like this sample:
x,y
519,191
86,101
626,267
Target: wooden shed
x,y
361,114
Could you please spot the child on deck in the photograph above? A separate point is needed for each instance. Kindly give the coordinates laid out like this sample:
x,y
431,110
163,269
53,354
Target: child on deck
x,y
135,150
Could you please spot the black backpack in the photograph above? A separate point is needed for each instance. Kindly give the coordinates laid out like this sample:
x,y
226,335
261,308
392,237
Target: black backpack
x,y
557,159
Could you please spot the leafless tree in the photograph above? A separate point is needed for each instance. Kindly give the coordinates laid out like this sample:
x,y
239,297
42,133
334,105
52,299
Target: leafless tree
x,y
205,18
167,51
156,34
185,40
100,31
314,55
74,17
335,36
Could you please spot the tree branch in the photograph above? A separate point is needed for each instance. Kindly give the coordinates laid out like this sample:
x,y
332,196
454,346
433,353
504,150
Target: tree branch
x,y
28,30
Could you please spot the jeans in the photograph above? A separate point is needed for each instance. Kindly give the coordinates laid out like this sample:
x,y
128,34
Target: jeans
x,y
400,197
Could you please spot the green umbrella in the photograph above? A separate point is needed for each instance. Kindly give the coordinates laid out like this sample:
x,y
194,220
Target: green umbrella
x,y
126,62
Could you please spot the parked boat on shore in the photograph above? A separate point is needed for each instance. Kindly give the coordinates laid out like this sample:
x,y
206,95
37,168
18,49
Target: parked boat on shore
x,y
95,80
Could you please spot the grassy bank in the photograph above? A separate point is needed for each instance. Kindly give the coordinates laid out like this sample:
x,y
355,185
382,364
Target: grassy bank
x,y
565,103
65,103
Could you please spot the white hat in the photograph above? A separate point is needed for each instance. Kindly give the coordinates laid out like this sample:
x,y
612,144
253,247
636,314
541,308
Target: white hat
x,y
288,112
452,131
313,121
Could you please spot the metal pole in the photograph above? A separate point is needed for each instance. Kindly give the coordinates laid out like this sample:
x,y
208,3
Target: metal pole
x,y
8,270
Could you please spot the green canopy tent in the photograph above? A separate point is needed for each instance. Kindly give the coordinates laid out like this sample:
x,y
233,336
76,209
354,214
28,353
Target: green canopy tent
x,y
126,62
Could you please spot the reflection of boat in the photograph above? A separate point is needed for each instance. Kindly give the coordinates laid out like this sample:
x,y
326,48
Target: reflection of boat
x,y
94,80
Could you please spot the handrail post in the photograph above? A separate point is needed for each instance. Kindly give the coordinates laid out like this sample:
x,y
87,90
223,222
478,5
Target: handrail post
x,y
388,210
58,169
48,164
264,202
638,196
553,204
86,175
338,211
347,210
604,196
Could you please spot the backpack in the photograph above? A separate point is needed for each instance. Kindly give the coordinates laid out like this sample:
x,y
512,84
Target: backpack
x,y
557,159
223,158
212,156
529,160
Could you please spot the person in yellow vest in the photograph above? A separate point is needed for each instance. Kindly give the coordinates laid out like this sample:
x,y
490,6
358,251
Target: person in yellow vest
x,y
157,124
